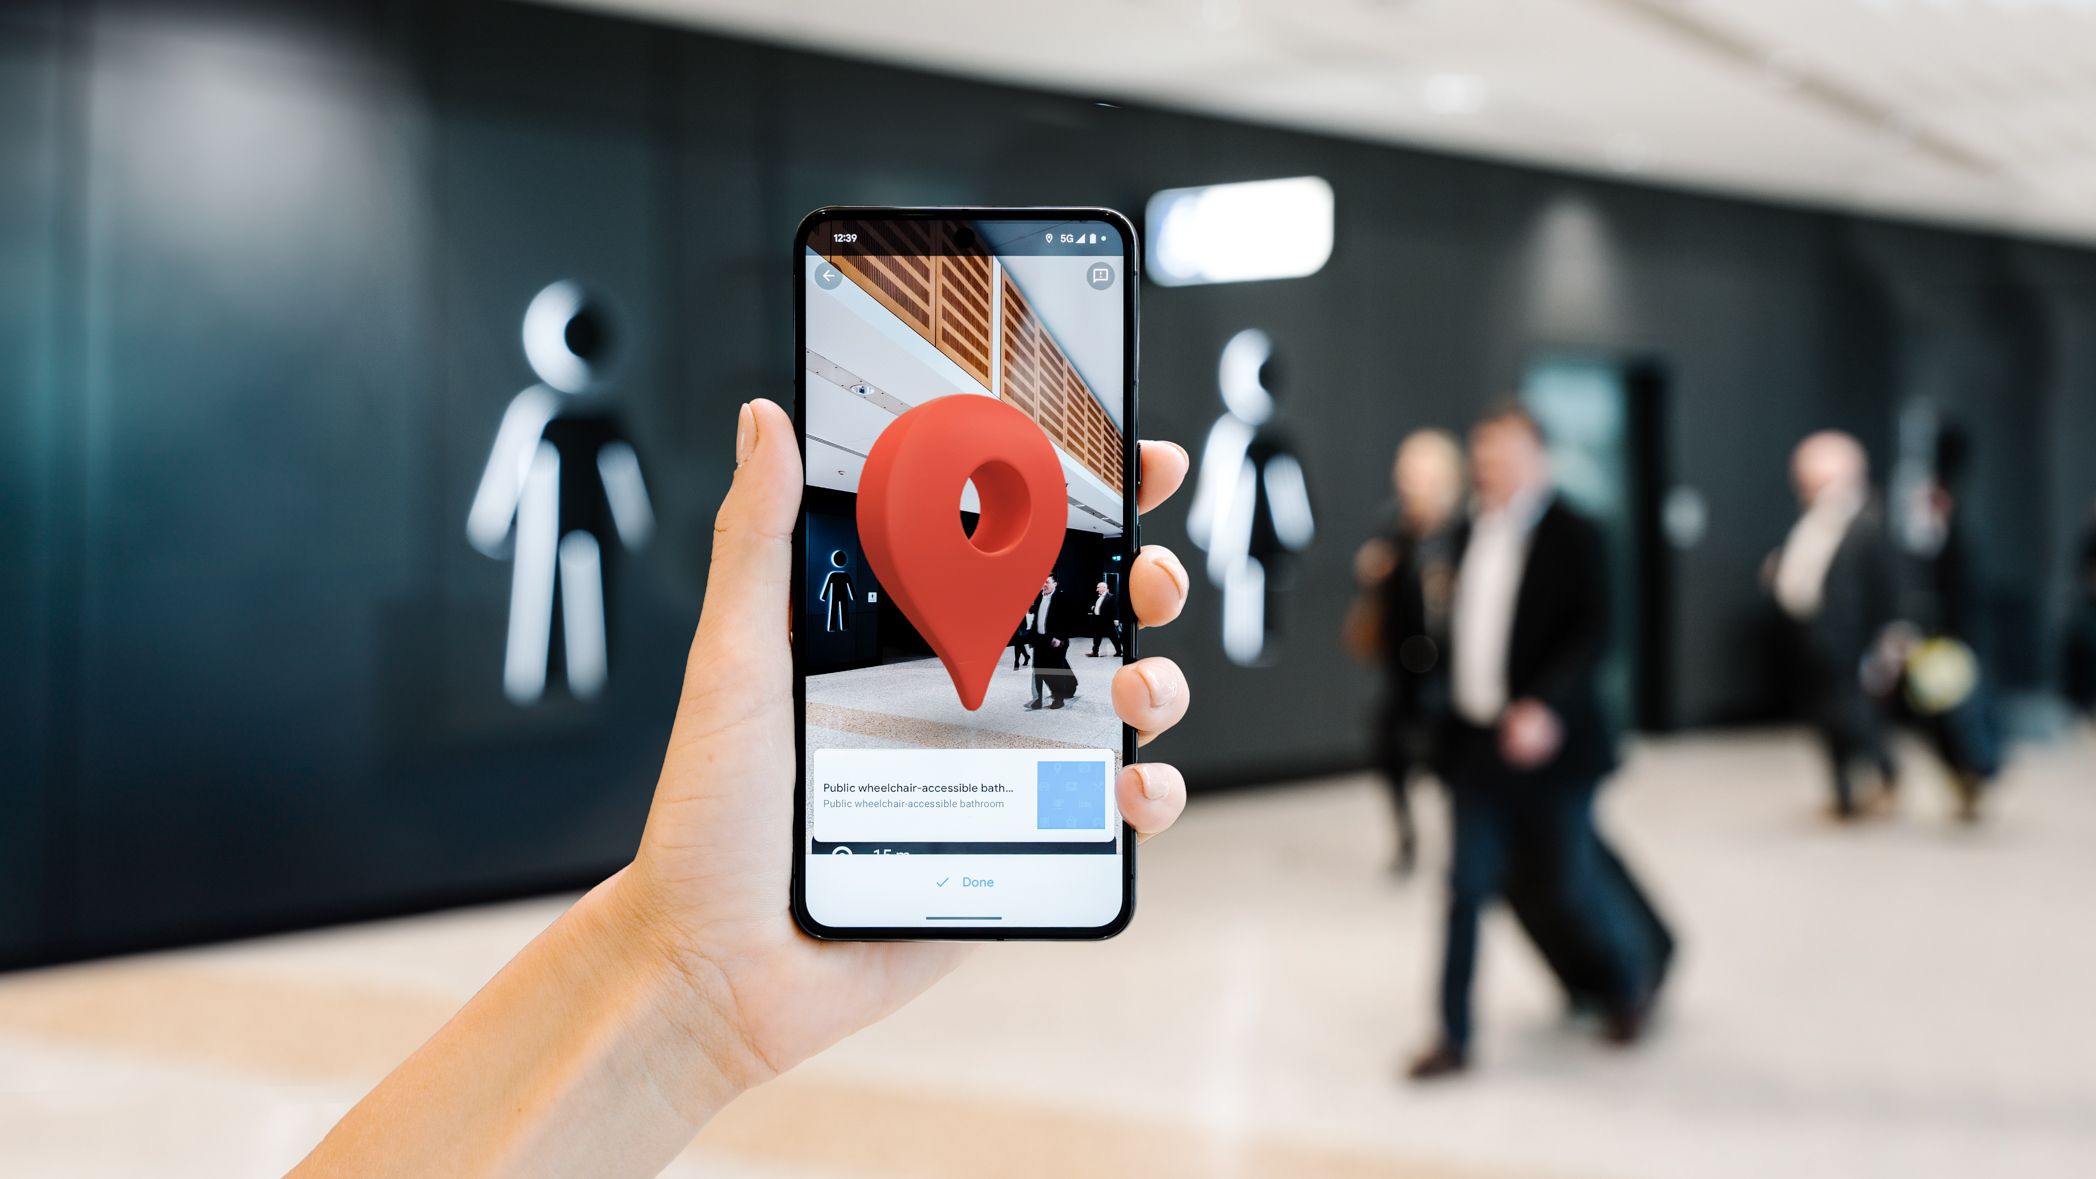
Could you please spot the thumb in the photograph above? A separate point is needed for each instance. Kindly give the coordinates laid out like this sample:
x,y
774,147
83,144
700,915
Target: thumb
x,y
746,584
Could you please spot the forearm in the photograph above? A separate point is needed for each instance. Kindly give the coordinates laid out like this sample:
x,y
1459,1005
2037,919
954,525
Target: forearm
x,y
590,1053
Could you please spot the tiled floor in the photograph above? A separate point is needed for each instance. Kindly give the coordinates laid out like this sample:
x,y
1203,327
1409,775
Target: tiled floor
x,y
911,703
1905,999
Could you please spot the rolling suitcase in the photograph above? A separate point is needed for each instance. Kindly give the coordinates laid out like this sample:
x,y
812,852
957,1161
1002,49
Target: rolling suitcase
x,y
1571,955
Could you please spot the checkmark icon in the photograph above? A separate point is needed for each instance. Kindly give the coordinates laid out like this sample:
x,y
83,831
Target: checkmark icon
x,y
942,883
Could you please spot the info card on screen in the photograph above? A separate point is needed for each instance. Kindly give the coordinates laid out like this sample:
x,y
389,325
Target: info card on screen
x,y
949,801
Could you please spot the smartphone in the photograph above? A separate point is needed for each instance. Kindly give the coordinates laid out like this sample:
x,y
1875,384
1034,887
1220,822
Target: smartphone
x,y
967,418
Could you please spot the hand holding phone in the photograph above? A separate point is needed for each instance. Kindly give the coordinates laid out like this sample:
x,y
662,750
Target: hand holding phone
x,y
678,982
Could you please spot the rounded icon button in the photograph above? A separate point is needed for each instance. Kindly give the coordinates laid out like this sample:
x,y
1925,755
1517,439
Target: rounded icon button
x,y
840,851
826,276
1099,275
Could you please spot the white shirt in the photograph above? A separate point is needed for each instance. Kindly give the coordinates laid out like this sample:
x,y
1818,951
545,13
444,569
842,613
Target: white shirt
x,y
1040,615
1098,604
1481,625
1801,570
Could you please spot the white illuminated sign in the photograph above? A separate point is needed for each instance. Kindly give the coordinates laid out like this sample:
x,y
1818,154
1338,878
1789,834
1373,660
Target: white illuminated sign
x,y
1245,232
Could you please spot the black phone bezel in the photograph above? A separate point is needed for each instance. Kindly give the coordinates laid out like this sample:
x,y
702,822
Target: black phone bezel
x,y
1131,467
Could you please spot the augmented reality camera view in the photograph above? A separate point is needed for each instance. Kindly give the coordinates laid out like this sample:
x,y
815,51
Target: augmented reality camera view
x,y
904,313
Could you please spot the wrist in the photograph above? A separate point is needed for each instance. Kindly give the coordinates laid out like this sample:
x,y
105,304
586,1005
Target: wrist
x,y
694,1053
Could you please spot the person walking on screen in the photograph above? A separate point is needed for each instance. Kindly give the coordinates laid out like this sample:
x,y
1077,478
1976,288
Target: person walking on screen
x,y
1833,581
1022,645
1103,620
1527,742
1399,620
1054,624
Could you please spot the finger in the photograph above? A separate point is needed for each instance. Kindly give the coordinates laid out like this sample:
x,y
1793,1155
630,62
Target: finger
x,y
1164,467
746,584
1157,586
1152,795
1150,695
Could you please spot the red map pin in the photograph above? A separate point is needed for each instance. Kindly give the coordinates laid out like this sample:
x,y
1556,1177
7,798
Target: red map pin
x,y
965,594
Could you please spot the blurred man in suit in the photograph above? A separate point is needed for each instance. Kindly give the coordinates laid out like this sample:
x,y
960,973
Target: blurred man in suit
x,y
1399,620
1527,742
1052,623
1103,619
1833,580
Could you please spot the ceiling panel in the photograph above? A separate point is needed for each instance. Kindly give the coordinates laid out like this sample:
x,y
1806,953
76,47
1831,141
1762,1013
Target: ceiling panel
x,y
1968,111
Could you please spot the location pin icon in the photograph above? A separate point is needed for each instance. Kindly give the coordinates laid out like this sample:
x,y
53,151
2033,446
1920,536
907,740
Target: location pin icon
x,y
965,594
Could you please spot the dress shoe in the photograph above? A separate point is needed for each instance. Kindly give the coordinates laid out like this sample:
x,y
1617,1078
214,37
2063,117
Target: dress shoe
x,y
1968,786
1627,1025
1032,704
1052,704
1442,1060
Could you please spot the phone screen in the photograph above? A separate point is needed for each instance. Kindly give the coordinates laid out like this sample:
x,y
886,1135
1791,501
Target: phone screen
x,y
921,816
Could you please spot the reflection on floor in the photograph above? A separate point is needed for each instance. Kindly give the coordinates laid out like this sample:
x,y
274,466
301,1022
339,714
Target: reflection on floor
x,y
1905,999
913,703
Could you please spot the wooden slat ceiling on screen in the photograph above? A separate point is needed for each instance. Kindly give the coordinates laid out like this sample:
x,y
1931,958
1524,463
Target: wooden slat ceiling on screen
x,y
1041,382
961,323
945,298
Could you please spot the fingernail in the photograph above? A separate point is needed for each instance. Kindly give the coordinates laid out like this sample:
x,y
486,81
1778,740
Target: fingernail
x,y
1162,687
745,433
1153,786
1182,452
1168,562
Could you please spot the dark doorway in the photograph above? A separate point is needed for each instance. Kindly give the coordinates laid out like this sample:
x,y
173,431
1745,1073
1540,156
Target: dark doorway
x,y
1603,415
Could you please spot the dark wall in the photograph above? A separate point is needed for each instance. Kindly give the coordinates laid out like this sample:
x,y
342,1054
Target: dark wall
x,y
261,269
34,568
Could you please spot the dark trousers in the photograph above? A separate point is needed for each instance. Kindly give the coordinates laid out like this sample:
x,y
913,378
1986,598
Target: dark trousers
x,y
1400,749
1109,634
1021,656
1397,776
2081,658
1851,728
1051,670
1544,832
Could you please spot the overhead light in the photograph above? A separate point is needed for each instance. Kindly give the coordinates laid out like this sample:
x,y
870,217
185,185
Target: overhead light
x,y
1454,94
1258,229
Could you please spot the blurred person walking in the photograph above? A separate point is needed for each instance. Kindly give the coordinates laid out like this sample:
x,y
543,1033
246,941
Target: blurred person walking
x,y
1945,682
1399,619
1527,742
1833,582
